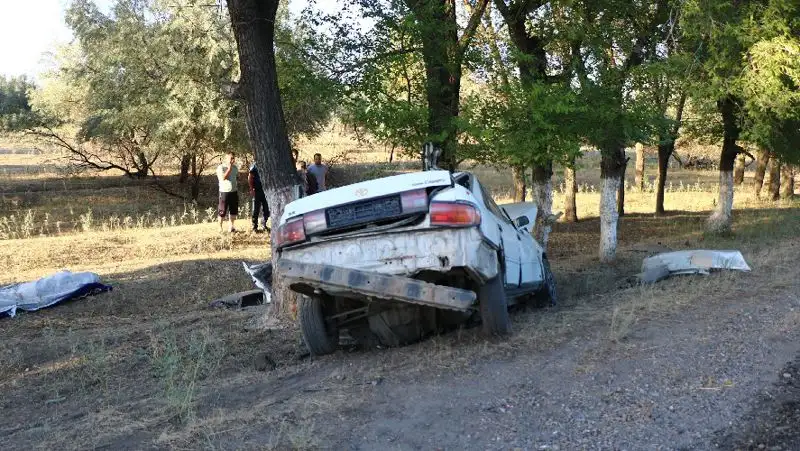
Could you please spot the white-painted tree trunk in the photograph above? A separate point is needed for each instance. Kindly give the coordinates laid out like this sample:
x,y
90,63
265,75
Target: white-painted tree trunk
x,y
277,201
609,219
543,196
720,221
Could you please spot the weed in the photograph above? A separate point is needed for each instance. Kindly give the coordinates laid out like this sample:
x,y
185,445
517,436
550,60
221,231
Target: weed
x,y
180,366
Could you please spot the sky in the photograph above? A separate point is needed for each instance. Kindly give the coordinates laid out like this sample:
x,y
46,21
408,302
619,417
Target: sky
x,y
28,30
31,28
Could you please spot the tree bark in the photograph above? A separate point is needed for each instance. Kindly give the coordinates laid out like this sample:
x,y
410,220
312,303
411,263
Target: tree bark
x,y
253,23
518,174
639,181
738,170
612,169
775,179
665,149
721,219
621,192
142,165
186,161
542,193
196,179
762,160
570,190
787,182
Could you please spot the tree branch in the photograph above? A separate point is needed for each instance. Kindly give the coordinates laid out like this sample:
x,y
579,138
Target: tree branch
x,y
472,26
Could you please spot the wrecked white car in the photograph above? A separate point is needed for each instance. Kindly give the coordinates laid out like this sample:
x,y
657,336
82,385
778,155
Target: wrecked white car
x,y
393,259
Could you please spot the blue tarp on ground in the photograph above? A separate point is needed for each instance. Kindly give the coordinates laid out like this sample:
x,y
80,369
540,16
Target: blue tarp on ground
x,y
59,287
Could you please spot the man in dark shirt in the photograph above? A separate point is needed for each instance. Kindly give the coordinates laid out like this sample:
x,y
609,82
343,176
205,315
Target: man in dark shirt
x,y
309,181
259,199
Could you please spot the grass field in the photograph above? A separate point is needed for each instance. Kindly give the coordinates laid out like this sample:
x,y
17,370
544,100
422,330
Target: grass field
x,y
149,364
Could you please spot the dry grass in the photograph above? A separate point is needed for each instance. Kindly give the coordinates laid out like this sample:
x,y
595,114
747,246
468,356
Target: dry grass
x,y
149,365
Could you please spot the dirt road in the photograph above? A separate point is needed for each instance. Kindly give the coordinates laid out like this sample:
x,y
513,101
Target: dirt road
x,y
695,379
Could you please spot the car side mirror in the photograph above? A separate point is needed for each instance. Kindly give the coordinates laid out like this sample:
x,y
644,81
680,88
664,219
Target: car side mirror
x,y
521,222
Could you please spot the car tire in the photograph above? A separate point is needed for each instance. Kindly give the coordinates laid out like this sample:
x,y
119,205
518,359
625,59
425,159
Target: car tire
x,y
494,307
547,295
320,338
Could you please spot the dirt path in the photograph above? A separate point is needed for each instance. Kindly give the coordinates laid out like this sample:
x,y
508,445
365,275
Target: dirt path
x,y
692,375
673,384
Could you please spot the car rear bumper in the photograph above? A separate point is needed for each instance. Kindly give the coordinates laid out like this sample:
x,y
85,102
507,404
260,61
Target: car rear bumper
x,y
337,280
404,251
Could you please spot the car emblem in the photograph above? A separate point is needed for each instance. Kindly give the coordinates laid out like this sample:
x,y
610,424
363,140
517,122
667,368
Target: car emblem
x,y
361,192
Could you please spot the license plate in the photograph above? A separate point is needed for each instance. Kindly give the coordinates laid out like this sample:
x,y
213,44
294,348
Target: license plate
x,y
364,212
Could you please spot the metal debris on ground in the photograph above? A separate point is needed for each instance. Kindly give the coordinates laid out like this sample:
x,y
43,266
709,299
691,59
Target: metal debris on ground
x,y
261,274
662,266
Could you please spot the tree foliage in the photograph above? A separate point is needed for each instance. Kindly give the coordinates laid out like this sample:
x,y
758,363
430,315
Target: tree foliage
x,y
14,101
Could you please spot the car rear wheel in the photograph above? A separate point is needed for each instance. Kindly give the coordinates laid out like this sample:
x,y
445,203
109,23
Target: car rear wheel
x,y
494,307
320,337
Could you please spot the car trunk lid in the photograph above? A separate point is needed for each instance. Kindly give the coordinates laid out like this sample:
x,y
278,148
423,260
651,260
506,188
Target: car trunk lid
x,y
371,195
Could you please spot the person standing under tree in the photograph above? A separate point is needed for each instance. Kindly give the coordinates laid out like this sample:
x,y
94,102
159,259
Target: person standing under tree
x,y
320,172
309,181
259,199
227,174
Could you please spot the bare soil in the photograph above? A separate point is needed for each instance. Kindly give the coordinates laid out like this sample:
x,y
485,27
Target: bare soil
x,y
695,363
690,363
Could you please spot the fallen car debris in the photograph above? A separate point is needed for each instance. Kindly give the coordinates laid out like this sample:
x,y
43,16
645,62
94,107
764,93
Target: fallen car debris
x,y
50,290
239,300
662,266
262,278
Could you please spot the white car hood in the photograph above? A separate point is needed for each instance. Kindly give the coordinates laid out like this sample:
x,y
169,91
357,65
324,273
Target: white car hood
x,y
369,189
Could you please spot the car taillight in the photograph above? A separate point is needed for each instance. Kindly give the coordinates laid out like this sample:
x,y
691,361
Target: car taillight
x,y
315,222
454,214
291,232
414,201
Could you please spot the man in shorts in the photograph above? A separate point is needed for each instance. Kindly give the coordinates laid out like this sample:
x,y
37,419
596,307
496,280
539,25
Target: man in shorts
x,y
228,174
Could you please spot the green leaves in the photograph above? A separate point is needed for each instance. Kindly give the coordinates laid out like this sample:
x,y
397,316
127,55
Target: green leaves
x,y
522,125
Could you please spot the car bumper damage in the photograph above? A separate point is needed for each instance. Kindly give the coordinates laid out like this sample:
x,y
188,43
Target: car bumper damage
x,y
337,280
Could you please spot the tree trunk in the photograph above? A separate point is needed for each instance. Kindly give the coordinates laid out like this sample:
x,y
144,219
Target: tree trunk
x,y
570,190
762,160
621,192
542,193
186,161
253,23
612,169
639,167
721,220
442,54
787,182
142,166
518,174
738,170
775,179
196,179
665,149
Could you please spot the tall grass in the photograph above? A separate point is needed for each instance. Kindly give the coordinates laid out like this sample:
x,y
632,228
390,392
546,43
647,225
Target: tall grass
x,y
32,224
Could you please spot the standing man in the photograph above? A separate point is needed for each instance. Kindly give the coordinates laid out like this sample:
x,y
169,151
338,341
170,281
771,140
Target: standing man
x,y
309,181
227,174
320,172
259,199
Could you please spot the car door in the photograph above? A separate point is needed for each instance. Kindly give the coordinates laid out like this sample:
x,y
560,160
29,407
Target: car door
x,y
510,241
530,260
